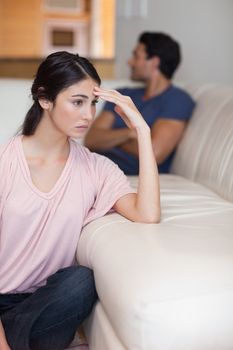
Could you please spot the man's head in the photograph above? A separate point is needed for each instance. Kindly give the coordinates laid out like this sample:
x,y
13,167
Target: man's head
x,y
154,51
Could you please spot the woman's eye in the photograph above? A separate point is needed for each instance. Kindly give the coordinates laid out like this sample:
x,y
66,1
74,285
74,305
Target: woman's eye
x,y
94,102
78,102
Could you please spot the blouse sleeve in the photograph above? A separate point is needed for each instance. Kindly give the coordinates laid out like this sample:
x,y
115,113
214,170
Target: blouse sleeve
x,y
110,183
3,173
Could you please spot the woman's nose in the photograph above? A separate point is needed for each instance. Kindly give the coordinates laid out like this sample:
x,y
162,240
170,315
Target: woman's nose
x,y
89,115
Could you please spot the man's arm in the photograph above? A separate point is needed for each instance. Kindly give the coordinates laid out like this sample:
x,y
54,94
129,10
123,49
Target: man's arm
x,y
3,343
165,134
102,137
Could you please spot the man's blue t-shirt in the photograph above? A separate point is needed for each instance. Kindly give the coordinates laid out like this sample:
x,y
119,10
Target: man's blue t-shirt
x,y
173,103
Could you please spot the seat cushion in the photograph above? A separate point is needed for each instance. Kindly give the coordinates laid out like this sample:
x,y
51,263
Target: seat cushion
x,y
170,285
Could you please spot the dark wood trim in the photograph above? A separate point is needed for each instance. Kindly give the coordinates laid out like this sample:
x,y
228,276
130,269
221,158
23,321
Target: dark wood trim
x,y
26,68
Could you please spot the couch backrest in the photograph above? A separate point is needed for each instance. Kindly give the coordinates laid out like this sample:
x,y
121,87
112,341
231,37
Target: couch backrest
x,y
205,154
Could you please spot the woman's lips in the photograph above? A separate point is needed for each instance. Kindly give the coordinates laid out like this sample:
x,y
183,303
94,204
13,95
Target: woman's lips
x,y
81,126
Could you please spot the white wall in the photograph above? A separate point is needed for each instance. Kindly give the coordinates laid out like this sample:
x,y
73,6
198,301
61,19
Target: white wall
x,y
204,28
15,101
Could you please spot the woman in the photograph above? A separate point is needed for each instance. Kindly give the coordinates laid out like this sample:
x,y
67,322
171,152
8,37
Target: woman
x,y
50,187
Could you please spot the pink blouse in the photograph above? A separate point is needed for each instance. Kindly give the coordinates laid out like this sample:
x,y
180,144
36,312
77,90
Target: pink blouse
x,y
39,231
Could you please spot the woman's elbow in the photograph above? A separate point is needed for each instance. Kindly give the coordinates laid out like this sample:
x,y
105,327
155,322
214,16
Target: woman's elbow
x,y
153,218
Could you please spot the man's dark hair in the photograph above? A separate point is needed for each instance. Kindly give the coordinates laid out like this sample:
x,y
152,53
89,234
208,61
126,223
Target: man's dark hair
x,y
163,46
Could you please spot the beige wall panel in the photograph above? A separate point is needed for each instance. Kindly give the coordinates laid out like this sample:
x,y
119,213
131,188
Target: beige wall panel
x,y
108,27
21,24
26,68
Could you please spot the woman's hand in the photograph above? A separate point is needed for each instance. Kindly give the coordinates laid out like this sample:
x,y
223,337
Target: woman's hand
x,y
124,106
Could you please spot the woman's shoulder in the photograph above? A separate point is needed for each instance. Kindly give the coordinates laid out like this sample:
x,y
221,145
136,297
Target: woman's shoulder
x,y
90,159
6,148
83,151
80,150
7,159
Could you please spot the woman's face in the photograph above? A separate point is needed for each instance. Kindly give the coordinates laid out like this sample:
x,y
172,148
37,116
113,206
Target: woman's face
x,y
74,109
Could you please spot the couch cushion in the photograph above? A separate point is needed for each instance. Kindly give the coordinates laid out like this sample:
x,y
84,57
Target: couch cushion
x,y
167,286
205,153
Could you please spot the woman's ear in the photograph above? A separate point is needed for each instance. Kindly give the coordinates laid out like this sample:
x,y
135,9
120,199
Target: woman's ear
x,y
44,103
42,99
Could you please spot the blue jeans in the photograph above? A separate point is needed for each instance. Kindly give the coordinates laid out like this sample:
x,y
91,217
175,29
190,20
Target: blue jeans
x,y
48,318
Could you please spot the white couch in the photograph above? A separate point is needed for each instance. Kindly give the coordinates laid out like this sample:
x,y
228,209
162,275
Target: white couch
x,y
170,286
167,286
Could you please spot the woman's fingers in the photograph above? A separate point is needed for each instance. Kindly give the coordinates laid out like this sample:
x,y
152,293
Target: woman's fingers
x,y
103,90
110,94
114,97
124,106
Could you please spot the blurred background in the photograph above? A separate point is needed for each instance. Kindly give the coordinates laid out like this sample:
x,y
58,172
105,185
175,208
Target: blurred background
x,y
106,32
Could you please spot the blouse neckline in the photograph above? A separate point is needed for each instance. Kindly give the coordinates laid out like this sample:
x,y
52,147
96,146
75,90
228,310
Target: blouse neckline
x,y
27,174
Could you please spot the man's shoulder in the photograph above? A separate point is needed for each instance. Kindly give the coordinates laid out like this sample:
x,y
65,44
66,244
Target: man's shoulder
x,y
176,103
176,95
178,92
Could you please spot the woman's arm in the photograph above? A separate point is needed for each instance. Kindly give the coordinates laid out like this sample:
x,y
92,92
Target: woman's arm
x,y
3,342
145,205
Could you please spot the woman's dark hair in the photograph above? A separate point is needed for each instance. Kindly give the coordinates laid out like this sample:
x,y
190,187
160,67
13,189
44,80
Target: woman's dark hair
x,y
163,46
57,72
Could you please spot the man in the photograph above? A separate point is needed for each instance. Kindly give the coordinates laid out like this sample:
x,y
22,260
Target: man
x,y
165,108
